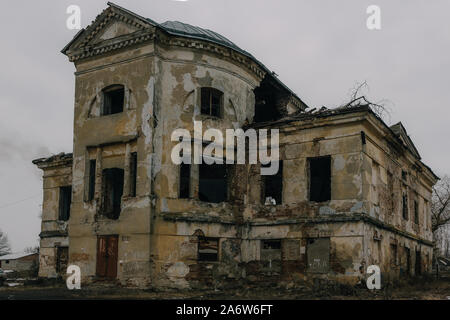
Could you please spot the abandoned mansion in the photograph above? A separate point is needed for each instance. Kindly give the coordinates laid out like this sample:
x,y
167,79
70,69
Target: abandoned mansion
x,y
350,191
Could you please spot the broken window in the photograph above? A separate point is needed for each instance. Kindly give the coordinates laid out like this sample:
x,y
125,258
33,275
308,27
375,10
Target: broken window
x,y
112,190
211,102
405,207
208,249
320,179
273,187
185,181
113,99
416,212
318,255
65,199
133,174
213,185
91,191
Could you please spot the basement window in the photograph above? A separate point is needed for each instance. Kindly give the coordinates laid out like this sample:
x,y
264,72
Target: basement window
x,y
65,199
213,185
112,187
211,102
273,187
405,207
320,179
91,191
113,99
185,181
208,249
133,174
271,244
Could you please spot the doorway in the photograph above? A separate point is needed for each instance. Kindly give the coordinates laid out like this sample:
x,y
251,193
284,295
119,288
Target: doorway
x,y
107,252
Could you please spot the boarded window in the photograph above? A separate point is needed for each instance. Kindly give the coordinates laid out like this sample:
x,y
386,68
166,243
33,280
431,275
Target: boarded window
x,y
273,187
185,181
318,255
91,191
112,189
208,249
113,99
211,102
320,179
213,186
405,207
416,212
65,199
133,174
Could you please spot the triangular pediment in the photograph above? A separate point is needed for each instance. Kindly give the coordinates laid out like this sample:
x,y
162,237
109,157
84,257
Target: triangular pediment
x,y
400,131
114,28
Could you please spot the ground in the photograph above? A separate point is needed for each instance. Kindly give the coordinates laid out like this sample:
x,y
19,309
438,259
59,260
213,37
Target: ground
x,y
424,289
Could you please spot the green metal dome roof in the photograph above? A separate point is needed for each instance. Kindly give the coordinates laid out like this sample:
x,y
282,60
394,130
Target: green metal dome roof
x,y
187,30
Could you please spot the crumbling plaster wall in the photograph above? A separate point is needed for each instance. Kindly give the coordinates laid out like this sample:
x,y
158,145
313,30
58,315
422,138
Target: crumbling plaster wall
x,y
110,140
53,231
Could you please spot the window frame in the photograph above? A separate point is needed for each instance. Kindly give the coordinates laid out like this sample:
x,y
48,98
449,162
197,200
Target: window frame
x,y
220,95
329,182
109,90
64,191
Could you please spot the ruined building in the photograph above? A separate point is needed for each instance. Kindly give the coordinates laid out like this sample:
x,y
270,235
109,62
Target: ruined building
x,y
350,192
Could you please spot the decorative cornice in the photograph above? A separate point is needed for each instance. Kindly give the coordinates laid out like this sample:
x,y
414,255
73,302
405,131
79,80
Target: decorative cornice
x,y
176,41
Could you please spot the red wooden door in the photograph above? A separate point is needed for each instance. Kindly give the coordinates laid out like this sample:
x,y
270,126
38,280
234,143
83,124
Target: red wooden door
x,y
107,252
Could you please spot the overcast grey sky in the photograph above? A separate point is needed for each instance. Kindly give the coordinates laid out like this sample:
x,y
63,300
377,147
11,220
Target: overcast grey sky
x,y
319,48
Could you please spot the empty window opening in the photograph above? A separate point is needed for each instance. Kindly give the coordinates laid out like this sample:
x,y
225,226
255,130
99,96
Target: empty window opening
x,y
393,255
318,255
133,174
408,261
65,199
112,187
211,102
418,266
405,207
213,186
91,191
208,249
404,175
113,99
185,181
271,244
62,257
320,179
416,212
273,187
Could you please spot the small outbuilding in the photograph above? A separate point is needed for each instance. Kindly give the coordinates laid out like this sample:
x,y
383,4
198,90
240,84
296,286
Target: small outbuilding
x,y
19,261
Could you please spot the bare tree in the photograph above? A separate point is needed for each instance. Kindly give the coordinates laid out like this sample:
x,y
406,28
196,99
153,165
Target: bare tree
x,y
32,249
440,204
357,98
5,248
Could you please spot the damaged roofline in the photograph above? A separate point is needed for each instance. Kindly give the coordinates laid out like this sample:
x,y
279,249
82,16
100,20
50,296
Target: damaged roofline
x,y
336,112
300,103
